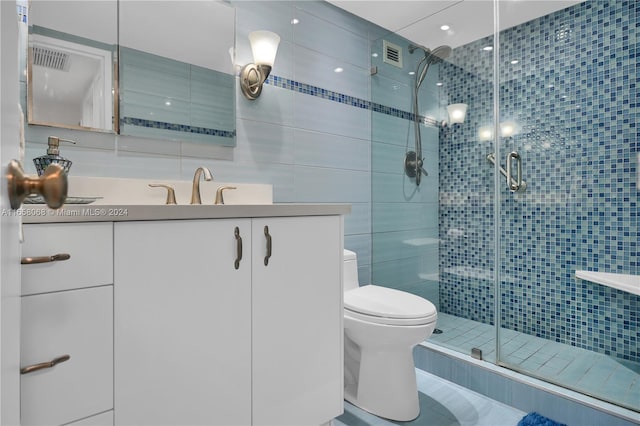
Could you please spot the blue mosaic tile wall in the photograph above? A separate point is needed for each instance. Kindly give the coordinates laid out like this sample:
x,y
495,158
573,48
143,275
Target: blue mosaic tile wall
x,y
573,95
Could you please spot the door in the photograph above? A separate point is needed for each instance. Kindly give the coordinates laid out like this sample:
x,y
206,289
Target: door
x,y
297,320
9,223
182,300
574,136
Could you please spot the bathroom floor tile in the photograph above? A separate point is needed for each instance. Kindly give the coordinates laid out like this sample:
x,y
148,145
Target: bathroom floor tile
x,y
442,403
596,374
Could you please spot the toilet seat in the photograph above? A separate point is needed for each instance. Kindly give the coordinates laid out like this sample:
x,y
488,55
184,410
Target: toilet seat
x,y
382,305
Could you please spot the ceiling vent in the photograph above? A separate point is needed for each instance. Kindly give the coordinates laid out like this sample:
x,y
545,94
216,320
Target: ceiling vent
x,y
392,54
51,58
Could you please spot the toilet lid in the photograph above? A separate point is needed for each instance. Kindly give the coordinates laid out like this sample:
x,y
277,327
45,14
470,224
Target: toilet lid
x,y
388,303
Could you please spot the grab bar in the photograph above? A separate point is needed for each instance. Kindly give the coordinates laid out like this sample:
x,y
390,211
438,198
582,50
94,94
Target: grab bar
x,y
514,185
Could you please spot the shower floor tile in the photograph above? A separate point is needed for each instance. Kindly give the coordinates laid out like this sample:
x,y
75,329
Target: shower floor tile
x,y
442,403
595,374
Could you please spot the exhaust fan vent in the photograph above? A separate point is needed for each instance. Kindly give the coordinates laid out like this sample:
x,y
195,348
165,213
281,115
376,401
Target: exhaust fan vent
x,y
392,54
51,58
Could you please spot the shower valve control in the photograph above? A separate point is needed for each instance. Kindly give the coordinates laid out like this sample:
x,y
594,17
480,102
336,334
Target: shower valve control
x,y
413,166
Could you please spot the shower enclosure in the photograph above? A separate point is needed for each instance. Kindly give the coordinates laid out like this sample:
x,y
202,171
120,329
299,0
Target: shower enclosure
x,y
538,182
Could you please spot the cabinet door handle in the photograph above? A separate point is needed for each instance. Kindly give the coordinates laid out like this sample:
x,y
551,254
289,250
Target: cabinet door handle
x,y
266,234
238,248
45,259
44,365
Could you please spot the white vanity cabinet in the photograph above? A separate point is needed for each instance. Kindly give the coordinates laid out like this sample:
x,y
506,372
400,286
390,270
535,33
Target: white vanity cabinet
x,y
206,336
184,315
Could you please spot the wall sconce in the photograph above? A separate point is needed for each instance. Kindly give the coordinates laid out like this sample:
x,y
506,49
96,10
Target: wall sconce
x,y
264,45
457,113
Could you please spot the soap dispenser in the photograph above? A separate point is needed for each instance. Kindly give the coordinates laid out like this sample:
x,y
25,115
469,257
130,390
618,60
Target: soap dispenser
x,y
53,156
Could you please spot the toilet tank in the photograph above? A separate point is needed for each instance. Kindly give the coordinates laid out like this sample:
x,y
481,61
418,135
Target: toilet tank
x,y
350,270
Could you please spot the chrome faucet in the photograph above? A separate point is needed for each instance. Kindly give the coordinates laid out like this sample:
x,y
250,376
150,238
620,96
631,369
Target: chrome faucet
x,y
195,189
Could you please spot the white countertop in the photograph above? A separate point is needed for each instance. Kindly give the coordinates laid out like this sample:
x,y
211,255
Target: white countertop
x,y
37,213
121,200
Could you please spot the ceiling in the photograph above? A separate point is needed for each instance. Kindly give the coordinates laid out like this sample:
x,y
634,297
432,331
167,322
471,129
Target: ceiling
x,y
468,20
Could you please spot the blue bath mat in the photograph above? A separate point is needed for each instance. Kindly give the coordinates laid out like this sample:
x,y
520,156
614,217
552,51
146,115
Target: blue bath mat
x,y
535,419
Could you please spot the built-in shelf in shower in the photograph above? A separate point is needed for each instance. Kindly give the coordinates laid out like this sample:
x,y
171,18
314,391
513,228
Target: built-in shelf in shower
x,y
417,242
624,282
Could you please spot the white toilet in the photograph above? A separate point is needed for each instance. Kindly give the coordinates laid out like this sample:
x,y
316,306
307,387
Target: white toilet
x,y
381,328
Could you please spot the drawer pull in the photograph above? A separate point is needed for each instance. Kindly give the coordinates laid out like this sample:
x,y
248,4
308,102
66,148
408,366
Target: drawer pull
x,y
43,365
45,259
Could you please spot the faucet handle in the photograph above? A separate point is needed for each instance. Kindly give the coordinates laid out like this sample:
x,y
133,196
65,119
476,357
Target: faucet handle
x,y
219,197
171,193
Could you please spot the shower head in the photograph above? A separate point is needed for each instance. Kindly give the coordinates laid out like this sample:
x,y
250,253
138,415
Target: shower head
x,y
438,54
430,57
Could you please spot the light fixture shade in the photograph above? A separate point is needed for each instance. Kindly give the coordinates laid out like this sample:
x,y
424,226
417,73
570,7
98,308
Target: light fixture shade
x,y
485,133
264,45
509,128
457,113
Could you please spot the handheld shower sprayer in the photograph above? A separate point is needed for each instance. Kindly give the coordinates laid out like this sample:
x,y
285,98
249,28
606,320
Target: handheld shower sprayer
x,y
413,161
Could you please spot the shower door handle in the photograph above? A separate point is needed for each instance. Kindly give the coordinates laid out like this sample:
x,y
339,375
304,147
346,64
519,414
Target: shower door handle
x,y
514,184
511,182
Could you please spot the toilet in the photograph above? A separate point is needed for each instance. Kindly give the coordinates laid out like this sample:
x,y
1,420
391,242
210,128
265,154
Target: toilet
x,y
381,328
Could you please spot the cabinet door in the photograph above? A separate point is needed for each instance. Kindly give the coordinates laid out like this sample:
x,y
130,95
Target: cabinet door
x,y
297,321
78,323
182,323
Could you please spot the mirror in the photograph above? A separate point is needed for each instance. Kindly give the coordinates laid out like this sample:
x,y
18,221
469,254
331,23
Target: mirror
x,y
72,51
176,78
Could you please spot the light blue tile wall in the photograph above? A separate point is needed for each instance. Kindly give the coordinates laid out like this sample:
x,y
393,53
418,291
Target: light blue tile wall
x,y
404,216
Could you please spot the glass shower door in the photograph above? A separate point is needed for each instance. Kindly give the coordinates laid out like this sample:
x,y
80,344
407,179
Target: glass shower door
x,y
568,202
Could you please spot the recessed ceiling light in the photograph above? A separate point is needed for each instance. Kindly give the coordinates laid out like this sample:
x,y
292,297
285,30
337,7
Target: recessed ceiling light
x,y
167,103
412,72
488,48
439,83
445,27
338,69
295,21
375,55
515,61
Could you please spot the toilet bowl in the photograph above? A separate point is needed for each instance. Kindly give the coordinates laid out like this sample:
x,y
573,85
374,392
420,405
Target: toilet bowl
x,y
381,328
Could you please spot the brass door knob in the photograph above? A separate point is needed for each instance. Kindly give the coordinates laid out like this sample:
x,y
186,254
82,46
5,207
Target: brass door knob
x,y
52,185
